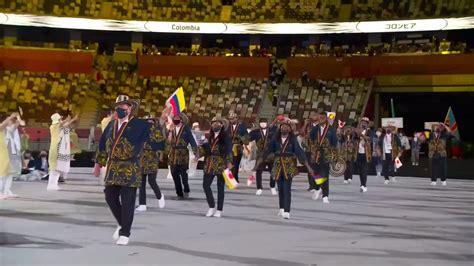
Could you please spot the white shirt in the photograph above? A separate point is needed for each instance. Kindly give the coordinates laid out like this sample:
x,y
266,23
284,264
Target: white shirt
x,y
177,130
234,126
216,134
362,146
121,122
283,139
387,144
264,132
323,126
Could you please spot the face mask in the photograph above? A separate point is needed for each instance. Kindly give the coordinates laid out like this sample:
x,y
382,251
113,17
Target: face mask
x,y
263,125
121,113
389,131
216,129
438,130
176,122
378,133
284,133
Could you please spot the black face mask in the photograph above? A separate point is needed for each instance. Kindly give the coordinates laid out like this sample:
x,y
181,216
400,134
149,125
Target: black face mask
x,y
216,129
285,133
176,122
389,131
121,113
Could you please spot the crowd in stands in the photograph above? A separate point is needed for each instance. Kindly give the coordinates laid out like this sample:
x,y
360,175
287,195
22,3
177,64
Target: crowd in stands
x,y
244,10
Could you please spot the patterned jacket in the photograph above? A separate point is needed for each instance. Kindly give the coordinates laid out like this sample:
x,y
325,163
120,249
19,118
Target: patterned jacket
x,y
285,156
437,145
177,146
367,138
347,149
152,150
262,141
217,153
324,142
396,145
307,143
239,137
121,150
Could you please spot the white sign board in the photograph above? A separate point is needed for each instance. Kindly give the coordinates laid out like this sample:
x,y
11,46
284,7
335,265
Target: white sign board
x,y
428,125
415,25
393,121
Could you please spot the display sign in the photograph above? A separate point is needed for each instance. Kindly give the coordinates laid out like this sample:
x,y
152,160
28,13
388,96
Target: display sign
x,y
237,28
393,121
429,125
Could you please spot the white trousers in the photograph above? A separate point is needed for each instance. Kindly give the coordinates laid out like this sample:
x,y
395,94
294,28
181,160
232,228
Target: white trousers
x,y
6,185
54,178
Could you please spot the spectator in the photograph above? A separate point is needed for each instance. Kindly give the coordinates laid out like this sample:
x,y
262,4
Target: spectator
x,y
415,149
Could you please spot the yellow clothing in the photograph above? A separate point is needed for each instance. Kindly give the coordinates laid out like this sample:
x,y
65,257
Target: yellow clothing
x,y
4,158
75,148
53,148
105,122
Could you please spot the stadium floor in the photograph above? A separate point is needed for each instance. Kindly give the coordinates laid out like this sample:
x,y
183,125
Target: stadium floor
x,y
405,223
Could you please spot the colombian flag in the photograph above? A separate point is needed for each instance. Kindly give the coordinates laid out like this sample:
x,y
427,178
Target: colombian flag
x,y
450,121
177,101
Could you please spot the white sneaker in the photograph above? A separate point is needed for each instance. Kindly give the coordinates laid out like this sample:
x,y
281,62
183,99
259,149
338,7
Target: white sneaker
x,y
346,182
122,241
161,202
53,188
286,215
186,195
217,214
349,180
116,236
141,208
211,212
379,174
274,191
386,182
433,184
316,194
363,189
394,180
259,192
444,183
280,212
325,200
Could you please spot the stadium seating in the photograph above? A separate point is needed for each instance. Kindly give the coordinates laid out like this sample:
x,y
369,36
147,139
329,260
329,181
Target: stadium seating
x,y
42,94
207,97
344,96
244,10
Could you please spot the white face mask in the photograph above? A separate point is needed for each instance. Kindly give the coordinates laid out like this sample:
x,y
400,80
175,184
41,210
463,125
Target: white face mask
x,y
378,133
263,125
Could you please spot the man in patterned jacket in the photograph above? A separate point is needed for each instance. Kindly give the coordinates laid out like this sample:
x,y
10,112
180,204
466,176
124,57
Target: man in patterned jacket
x,y
120,148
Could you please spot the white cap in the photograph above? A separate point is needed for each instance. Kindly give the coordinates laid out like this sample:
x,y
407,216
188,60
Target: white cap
x,y
55,118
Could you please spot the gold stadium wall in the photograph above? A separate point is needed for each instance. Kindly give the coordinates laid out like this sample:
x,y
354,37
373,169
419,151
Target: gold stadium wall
x,y
425,83
372,66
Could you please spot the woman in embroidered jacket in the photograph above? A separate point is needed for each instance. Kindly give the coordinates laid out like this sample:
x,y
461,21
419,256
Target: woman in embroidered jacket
x,y
10,154
286,151
120,148
152,155
437,153
347,151
323,153
262,136
217,152
179,137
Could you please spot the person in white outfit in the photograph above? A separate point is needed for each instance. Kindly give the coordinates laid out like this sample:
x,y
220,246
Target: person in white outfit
x,y
10,154
60,150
